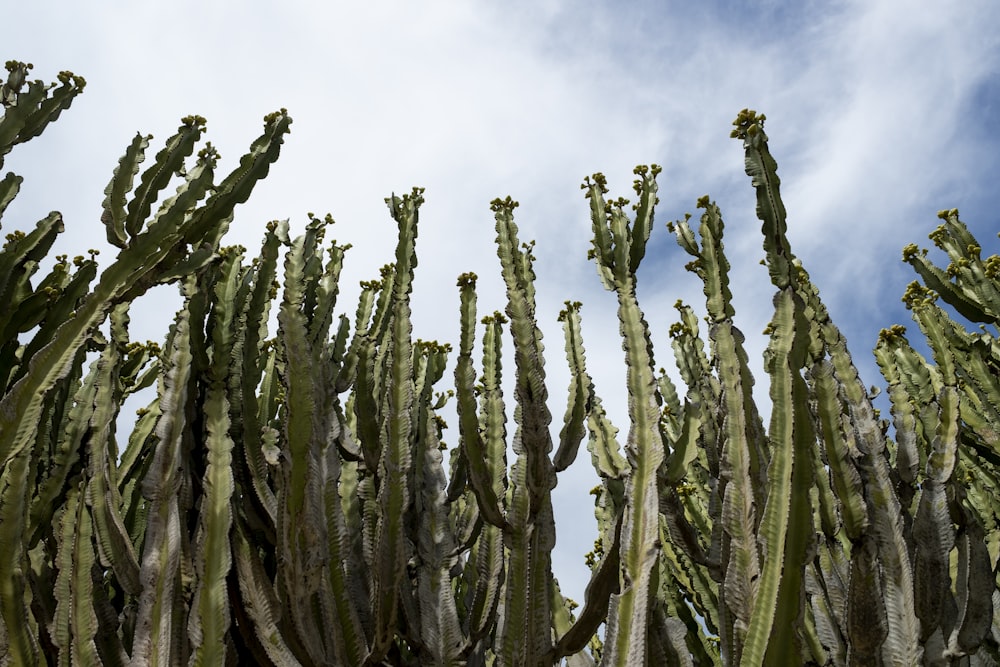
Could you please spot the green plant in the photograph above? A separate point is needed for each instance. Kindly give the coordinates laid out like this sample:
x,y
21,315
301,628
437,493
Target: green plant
x,y
285,499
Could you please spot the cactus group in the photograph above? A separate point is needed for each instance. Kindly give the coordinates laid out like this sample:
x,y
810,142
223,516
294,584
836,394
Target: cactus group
x,y
286,499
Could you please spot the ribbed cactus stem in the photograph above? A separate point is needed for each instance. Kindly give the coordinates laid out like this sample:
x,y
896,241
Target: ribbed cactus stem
x,y
395,465
474,446
525,635
763,172
617,260
581,389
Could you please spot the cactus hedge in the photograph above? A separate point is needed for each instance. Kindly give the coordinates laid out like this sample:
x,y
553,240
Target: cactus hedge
x,y
286,499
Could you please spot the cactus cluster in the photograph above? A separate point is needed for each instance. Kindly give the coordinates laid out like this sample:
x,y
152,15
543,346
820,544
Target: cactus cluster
x,y
286,497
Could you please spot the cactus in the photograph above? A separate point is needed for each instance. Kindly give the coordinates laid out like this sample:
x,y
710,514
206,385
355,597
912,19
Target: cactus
x,y
947,426
285,497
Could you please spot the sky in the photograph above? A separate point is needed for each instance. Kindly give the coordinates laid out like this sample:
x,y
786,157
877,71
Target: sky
x,y
880,113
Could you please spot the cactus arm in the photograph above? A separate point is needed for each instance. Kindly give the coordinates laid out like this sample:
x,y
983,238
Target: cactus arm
x,y
938,281
682,585
168,161
644,449
902,644
338,346
477,450
370,375
763,172
10,185
269,398
115,213
933,533
740,459
867,621
159,573
603,444
302,521
489,578
70,527
525,632
395,463
140,370
489,548
210,222
728,354
16,640
840,458
84,618
343,568
112,537
66,453
886,514
602,242
893,555
530,390
297,381
521,638
366,408
27,113
526,626
711,264
699,582
628,618
259,602
789,623
974,585
327,286
327,292
814,648
255,354
209,620
18,260
679,530
53,300
824,500
562,613
172,228
33,110
826,586
774,523
642,225
671,401
685,447
739,514
668,640
890,345
132,469
335,596
71,295
562,620
597,596
980,404
436,547
19,104
968,284
704,389
580,390
349,369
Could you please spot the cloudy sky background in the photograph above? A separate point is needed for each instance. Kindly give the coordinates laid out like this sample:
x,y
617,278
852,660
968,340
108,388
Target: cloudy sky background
x,y
880,113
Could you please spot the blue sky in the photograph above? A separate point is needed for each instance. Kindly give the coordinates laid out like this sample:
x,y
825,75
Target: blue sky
x,y
880,113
